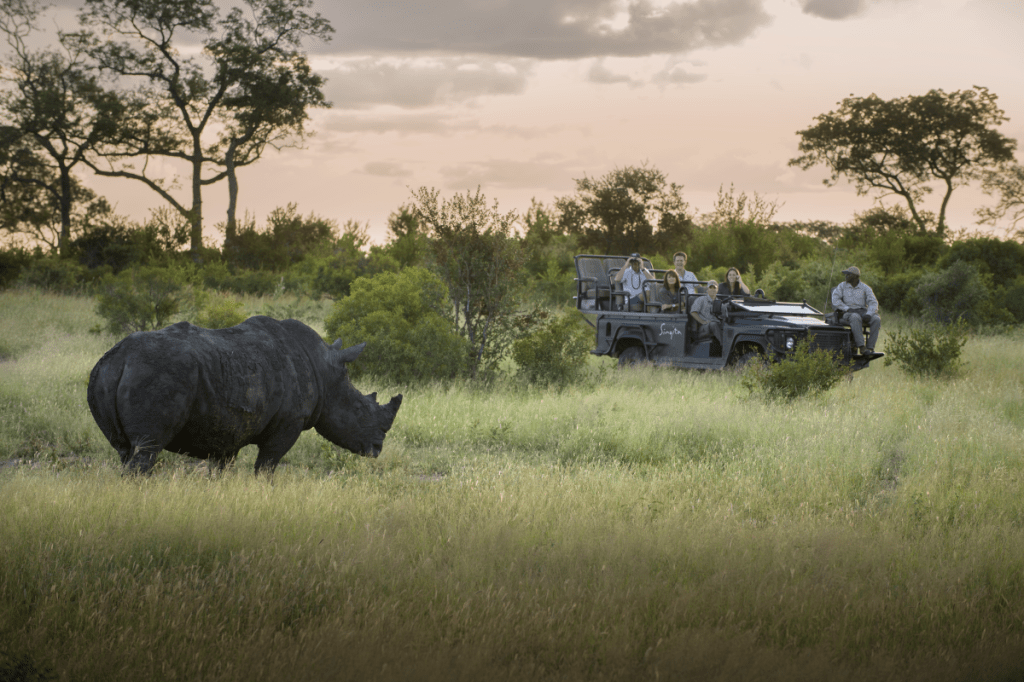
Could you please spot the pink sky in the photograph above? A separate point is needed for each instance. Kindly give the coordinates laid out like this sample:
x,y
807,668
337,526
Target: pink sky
x,y
522,96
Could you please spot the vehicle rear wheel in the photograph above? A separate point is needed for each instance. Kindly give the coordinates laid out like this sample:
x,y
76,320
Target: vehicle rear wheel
x,y
633,355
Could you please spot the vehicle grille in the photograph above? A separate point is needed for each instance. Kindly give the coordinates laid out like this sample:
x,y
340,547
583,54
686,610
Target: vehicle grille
x,y
832,341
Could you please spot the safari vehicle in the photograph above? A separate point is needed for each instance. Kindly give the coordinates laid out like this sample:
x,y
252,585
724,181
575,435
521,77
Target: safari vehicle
x,y
753,328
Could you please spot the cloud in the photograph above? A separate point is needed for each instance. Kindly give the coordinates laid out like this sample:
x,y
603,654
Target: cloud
x,y
834,9
420,122
386,169
676,74
601,74
541,29
362,82
540,173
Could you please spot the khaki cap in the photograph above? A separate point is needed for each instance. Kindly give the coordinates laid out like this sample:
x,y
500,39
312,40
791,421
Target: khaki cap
x,y
852,270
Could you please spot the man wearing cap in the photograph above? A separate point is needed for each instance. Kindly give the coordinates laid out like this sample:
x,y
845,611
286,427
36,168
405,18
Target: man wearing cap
x,y
858,306
633,274
702,312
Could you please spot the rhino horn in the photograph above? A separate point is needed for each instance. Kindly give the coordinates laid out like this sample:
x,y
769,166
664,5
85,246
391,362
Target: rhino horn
x,y
396,402
348,354
373,396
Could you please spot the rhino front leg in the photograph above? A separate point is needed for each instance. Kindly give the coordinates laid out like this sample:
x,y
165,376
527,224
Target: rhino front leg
x,y
274,447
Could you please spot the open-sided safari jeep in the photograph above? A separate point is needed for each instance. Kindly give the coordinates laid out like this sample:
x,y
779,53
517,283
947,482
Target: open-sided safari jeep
x,y
753,327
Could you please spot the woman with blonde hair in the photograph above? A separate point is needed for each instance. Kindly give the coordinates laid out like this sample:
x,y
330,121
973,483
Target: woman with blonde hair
x,y
733,284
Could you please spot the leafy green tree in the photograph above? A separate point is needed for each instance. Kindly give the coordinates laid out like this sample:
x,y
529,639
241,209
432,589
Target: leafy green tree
x,y
55,113
402,317
901,145
147,298
556,351
249,87
629,209
479,259
407,242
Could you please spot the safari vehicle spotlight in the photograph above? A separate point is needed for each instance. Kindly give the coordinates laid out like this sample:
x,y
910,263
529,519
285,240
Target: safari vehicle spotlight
x,y
753,328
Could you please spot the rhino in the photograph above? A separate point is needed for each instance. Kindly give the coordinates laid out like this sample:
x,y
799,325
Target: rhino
x,y
207,393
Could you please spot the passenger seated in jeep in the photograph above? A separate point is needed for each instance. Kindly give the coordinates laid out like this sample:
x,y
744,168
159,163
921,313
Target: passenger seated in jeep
x,y
668,294
632,275
733,284
702,312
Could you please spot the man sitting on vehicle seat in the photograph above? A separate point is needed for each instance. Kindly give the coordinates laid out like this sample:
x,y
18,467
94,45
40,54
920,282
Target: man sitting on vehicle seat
x,y
858,306
702,312
633,274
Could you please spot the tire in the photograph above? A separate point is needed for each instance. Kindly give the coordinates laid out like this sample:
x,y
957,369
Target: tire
x,y
631,356
747,358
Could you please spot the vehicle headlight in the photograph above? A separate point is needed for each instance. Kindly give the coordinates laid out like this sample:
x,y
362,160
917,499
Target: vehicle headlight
x,y
790,343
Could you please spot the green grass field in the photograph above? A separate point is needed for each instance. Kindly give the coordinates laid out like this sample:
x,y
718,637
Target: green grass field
x,y
648,524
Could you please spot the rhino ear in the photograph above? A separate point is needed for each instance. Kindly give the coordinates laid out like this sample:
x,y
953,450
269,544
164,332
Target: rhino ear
x,y
349,354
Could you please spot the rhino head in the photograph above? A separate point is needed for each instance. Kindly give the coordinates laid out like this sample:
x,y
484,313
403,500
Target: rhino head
x,y
350,419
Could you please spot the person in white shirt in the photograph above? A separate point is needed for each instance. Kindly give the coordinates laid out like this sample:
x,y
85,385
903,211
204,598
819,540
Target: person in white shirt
x,y
632,275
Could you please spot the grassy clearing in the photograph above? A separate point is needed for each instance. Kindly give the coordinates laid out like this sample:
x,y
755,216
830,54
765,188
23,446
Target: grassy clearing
x,y
651,524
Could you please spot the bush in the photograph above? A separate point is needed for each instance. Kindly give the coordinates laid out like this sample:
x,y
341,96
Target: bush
x,y
556,352
805,372
147,298
59,275
220,313
960,292
12,262
928,351
402,318
894,292
219,276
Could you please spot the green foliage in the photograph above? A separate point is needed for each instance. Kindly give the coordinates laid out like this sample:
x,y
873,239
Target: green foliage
x,y
960,292
555,353
896,292
1004,260
59,275
803,372
287,238
12,262
630,209
480,260
222,277
146,298
221,312
402,318
928,351
902,145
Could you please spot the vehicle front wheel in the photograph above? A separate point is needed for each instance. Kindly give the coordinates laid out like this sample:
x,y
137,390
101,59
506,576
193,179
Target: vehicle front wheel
x,y
751,356
633,355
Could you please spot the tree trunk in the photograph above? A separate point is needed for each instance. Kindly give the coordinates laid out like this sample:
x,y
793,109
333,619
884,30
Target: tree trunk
x,y
64,243
231,229
197,197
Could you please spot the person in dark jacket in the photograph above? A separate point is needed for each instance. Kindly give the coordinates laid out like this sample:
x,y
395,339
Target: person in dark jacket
x,y
668,295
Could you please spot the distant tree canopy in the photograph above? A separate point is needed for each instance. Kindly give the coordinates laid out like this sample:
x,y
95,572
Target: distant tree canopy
x,y
249,87
55,114
901,145
629,209
1007,183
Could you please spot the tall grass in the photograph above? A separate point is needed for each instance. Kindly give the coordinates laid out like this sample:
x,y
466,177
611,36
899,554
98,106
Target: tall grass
x,y
649,524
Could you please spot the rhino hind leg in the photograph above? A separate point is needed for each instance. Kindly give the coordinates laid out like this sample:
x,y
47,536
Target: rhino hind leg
x,y
142,460
273,448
